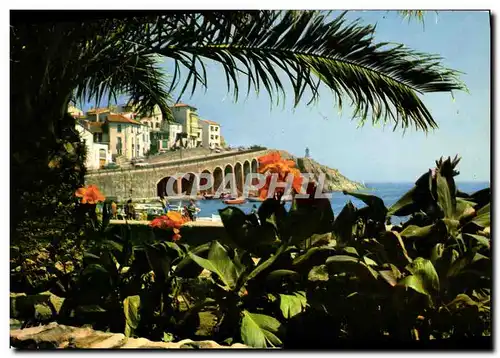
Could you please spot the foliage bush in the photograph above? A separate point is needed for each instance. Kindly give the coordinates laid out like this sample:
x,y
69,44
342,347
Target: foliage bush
x,y
293,278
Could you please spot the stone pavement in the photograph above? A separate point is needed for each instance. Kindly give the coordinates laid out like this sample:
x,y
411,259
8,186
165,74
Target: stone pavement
x,y
55,335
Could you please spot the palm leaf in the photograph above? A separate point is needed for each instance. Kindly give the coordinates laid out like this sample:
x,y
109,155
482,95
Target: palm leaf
x,y
310,49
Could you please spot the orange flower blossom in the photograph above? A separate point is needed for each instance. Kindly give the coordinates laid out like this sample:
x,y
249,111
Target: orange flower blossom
x,y
89,195
272,163
172,220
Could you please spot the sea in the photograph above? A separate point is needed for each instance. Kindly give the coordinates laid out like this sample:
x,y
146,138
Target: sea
x,y
388,192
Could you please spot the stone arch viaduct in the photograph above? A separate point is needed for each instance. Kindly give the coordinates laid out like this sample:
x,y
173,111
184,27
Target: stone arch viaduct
x,y
151,180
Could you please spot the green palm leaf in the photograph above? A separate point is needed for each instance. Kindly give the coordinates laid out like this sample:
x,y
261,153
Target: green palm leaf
x,y
381,80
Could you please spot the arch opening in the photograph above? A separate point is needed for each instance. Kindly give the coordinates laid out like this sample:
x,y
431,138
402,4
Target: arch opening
x,y
204,181
238,173
218,179
189,184
161,187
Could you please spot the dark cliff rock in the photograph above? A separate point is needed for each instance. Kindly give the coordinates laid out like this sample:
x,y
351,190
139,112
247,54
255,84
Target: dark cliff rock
x,y
334,181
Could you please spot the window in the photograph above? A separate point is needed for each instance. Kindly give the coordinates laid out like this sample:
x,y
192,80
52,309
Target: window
x,y
212,136
143,137
157,125
216,137
119,128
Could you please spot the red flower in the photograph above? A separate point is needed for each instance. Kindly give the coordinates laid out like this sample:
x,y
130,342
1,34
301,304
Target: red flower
x,y
89,195
273,164
173,220
269,158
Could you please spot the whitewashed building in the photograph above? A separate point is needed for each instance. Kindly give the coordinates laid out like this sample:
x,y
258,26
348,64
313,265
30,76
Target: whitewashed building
x,y
98,154
211,134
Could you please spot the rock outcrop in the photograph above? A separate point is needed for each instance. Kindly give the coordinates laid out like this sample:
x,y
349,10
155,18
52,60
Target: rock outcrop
x,y
334,181
55,335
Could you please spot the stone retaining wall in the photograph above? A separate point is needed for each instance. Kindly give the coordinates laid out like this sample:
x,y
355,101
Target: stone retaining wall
x,y
56,335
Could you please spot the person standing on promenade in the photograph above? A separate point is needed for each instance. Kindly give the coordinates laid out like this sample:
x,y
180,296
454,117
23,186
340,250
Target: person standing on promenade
x,y
130,210
114,210
192,210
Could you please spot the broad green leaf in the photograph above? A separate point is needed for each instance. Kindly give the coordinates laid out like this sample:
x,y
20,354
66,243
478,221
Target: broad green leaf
x,y
278,274
159,261
437,252
340,259
292,305
57,302
245,232
235,223
197,308
306,222
423,279
391,276
264,265
270,207
312,252
452,226
43,311
187,267
444,197
112,244
167,337
466,262
478,238
395,248
482,218
172,248
342,227
462,301
464,208
379,211
415,283
404,205
344,263
416,231
91,309
318,273
219,263
131,306
350,251
369,261
93,269
444,262
259,331
91,257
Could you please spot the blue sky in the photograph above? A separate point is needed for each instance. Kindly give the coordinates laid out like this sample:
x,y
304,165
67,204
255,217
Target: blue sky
x,y
376,154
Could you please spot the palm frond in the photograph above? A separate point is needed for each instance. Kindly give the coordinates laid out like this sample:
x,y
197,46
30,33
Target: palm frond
x,y
413,14
116,70
381,79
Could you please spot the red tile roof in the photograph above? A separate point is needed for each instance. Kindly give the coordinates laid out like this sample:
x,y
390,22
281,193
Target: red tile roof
x,y
118,118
